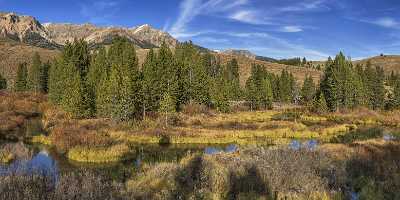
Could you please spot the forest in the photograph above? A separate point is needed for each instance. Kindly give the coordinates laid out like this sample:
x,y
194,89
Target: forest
x,y
182,126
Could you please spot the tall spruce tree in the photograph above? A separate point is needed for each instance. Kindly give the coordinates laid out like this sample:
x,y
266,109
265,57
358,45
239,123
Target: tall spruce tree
x,y
44,77
34,75
308,90
21,79
258,88
124,82
396,93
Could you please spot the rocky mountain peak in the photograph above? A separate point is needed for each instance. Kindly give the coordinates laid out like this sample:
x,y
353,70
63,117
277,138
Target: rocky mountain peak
x,y
28,30
240,52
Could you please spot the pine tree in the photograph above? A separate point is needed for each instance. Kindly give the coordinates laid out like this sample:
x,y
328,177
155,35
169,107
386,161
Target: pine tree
x,y
21,79
72,99
167,106
396,93
267,93
219,91
3,83
98,68
150,83
232,76
55,83
124,82
44,77
319,103
258,88
34,75
72,65
308,90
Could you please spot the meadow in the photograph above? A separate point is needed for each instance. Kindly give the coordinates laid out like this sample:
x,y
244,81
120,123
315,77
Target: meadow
x,y
355,152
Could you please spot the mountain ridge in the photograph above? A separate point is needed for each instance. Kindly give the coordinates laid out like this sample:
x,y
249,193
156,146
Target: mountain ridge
x,y
29,30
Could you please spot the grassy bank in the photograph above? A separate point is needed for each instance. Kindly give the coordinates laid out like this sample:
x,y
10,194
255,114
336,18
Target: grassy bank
x,y
99,155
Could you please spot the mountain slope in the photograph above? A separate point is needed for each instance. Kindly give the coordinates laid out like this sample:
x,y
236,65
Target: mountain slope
x,y
28,30
12,53
388,62
245,64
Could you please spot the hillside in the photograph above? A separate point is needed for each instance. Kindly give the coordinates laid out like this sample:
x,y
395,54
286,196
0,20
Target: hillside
x,y
388,62
12,53
245,67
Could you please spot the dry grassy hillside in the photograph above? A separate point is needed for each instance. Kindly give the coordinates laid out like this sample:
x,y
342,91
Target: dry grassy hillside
x,y
389,63
245,68
13,53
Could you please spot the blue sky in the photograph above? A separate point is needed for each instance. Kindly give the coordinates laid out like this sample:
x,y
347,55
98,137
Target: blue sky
x,y
275,28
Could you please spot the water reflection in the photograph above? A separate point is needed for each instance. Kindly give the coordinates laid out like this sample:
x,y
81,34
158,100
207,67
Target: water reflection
x,y
310,145
52,164
41,163
216,150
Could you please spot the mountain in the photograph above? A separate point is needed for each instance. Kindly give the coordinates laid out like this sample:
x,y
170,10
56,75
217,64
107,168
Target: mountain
x,y
238,52
25,29
28,30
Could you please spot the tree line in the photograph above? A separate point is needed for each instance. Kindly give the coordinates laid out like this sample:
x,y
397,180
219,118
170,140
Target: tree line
x,y
110,83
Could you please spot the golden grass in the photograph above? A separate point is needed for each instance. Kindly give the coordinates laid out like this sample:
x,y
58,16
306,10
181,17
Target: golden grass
x,y
41,139
6,157
99,155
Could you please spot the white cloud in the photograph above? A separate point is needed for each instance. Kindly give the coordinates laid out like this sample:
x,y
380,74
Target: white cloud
x,y
190,9
387,22
248,16
99,12
305,5
277,46
291,29
212,40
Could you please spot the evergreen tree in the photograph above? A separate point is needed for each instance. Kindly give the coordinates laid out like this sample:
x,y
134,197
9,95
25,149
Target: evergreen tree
x,y
232,76
150,82
56,81
308,90
319,103
124,82
396,93
34,75
21,79
258,88
73,62
219,91
167,106
44,77
3,83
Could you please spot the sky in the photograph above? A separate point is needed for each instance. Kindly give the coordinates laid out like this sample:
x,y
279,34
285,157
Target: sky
x,y
314,29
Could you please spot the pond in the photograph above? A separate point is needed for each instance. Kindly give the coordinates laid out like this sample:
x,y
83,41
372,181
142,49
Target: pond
x,y
30,158
45,160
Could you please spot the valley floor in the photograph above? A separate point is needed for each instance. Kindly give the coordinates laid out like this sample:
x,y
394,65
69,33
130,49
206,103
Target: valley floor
x,y
283,153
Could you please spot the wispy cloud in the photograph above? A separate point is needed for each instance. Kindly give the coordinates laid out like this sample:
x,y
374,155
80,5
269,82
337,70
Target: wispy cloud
x,y
291,29
286,48
306,5
387,22
249,16
190,9
99,12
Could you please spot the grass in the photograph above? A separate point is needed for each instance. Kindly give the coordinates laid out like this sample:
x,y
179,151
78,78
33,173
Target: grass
x,y
41,139
114,153
6,157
